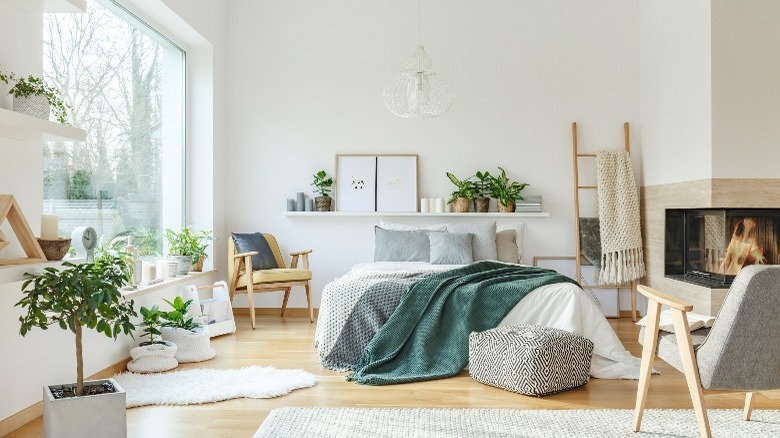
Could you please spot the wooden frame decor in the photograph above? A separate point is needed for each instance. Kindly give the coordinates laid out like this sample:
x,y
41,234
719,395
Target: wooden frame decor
x,y
355,183
9,209
381,182
396,183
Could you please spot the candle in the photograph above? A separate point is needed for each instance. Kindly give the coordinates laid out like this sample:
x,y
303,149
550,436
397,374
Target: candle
x,y
290,204
424,205
50,226
300,201
172,268
439,205
162,269
146,272
310,204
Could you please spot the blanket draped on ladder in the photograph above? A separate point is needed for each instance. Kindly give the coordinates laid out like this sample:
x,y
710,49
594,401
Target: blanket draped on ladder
x,y
427,335
622,259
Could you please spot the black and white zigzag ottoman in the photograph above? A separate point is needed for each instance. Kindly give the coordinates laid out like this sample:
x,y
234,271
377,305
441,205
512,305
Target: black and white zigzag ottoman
x,y
530,359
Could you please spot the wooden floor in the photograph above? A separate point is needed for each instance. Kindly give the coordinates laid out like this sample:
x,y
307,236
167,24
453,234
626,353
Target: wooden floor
x,y
288,343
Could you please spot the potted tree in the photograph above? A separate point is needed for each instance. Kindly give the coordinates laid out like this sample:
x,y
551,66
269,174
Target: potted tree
x,y
32,96
322,184
505,192
481,189
74,298
154,355
192,340
188,248
462,195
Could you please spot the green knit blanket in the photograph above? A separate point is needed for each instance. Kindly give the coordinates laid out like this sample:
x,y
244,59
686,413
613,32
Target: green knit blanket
x,y
427,335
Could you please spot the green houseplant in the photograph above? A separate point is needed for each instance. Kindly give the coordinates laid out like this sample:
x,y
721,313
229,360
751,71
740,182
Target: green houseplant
x,y
462,195
178,317
322,186
481,191
154,355
32,96
76,297
191,338
188,247
505,191
151,323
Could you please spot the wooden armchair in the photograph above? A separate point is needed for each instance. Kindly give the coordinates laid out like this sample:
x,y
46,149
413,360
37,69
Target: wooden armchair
x,y
245,279
740,353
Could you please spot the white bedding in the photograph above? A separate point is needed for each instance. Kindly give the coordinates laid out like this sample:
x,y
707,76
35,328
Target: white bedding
x,y
563,305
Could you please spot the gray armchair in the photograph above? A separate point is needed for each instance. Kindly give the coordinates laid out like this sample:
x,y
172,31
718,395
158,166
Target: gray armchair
x,y
741,351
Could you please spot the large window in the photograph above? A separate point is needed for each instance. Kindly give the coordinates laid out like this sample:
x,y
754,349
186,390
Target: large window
x,y
125,84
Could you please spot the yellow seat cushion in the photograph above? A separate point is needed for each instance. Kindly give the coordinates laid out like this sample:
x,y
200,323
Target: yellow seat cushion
x,y
278,275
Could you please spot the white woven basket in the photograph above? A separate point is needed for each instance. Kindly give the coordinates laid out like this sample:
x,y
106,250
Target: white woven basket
x,y
191,346
152,358
36,106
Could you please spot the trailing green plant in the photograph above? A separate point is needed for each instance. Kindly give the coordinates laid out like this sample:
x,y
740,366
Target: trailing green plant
x,y
322,183
481,184
32,86
75,297
188,242
505,191
464,188
151,321
177,318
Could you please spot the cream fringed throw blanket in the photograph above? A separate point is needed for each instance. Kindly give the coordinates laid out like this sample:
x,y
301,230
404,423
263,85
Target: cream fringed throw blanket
x,y
621,237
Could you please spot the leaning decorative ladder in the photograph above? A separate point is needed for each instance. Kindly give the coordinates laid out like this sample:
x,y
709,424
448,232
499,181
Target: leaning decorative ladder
x,y
577,187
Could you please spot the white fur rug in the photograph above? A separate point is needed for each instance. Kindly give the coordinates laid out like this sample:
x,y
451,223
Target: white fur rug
x,y
199,386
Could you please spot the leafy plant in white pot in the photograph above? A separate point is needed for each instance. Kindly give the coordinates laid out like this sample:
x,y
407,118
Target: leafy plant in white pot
x,y
187,248
75,297
154,355
192,340
34,97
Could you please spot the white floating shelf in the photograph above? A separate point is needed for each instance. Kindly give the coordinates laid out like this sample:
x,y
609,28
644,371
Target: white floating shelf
x,y
55,6
27,128
411,214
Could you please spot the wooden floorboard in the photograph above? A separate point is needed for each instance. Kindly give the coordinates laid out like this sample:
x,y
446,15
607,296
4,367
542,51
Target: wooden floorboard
x,y
288,343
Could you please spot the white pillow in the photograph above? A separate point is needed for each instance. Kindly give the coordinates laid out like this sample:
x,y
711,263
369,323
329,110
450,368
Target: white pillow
x,y
393,226
518,229
484,244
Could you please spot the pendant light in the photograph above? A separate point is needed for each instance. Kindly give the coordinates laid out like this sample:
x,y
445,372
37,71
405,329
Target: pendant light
x,y
418,91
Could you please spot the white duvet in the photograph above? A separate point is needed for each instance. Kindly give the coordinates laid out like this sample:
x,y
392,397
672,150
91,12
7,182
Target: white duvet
x,y
563,306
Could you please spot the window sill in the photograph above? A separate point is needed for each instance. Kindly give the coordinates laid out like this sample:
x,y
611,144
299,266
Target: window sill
x,y
182,279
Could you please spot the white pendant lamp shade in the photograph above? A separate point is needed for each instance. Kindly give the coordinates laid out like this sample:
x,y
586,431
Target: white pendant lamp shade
x,y
418,91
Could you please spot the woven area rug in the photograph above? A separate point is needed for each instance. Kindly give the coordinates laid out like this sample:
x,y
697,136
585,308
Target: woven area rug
x,y
198,386
360,422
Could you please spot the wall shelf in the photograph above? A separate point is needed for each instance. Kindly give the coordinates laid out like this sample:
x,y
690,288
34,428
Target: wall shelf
x,y
55,6
22,127
412,214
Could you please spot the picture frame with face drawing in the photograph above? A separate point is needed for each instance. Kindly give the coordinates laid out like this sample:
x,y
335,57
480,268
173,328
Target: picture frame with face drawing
x,y
377,182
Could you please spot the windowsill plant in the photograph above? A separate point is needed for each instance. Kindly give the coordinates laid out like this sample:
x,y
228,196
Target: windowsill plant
x,y
188,247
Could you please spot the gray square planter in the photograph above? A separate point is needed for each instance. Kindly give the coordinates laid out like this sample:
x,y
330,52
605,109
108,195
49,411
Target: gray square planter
x,y
89,416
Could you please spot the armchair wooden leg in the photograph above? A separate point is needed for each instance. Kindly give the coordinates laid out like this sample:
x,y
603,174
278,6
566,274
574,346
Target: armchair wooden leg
x,y
286,297
250,292
308,300
748,406
633,301
688,358
648,355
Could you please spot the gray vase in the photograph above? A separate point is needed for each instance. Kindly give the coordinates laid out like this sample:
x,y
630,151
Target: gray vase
x,y
184,263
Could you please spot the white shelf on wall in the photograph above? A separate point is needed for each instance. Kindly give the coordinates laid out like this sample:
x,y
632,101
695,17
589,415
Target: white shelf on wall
x,y
410,214
22,127
55,6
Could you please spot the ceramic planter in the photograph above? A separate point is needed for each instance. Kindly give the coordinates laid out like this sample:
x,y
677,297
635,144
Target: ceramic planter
x,y
191,346
481,205
184,261
88,416
460,205
323,203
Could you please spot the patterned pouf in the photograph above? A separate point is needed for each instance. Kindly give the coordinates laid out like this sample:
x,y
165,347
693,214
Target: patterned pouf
x,y
530,359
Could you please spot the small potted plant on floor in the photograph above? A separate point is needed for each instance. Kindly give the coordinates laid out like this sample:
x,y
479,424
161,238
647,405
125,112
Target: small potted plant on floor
x,y
74,298
481,190
32,96
188,248
505,192
322,184
191,338
154,355
462,195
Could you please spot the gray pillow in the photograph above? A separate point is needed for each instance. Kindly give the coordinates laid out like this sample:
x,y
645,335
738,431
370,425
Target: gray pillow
x,y
401,246
246,242
484,244
451,248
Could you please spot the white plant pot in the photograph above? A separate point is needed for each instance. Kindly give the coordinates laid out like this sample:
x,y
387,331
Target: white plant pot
x,y
185,263
153,358
191,346
88,416
36,106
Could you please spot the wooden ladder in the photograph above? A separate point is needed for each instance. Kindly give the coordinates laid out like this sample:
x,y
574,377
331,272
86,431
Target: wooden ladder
x,y
577,187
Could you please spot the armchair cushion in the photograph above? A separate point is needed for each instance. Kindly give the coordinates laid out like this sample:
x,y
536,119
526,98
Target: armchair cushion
x,y
277,275
246,242
667,345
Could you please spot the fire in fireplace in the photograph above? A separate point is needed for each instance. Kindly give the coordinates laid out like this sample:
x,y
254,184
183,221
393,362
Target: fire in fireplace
x,y
710,246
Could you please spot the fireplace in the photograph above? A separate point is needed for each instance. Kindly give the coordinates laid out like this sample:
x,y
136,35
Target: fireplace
x,y
708,247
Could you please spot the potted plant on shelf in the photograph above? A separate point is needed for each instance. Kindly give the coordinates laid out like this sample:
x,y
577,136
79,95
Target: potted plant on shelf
x,y
191,338
505,192
188,248
74,298
462,195
481,189
154,355
322,185
32,96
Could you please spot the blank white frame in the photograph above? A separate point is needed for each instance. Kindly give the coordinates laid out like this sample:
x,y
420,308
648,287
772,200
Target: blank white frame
x,y
396,183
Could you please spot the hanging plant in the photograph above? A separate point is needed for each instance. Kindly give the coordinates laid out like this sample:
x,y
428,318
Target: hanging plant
x,y
31,87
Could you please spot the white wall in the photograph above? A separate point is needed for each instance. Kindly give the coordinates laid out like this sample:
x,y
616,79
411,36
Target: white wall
x,y
675,90
745,88
305,82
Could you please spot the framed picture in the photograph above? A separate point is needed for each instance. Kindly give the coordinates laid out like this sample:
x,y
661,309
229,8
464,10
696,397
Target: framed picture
x,y
396,183
355,182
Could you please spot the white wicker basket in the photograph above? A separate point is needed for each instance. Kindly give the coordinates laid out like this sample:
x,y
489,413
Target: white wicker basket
x,y
191,346
152,358
36,106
